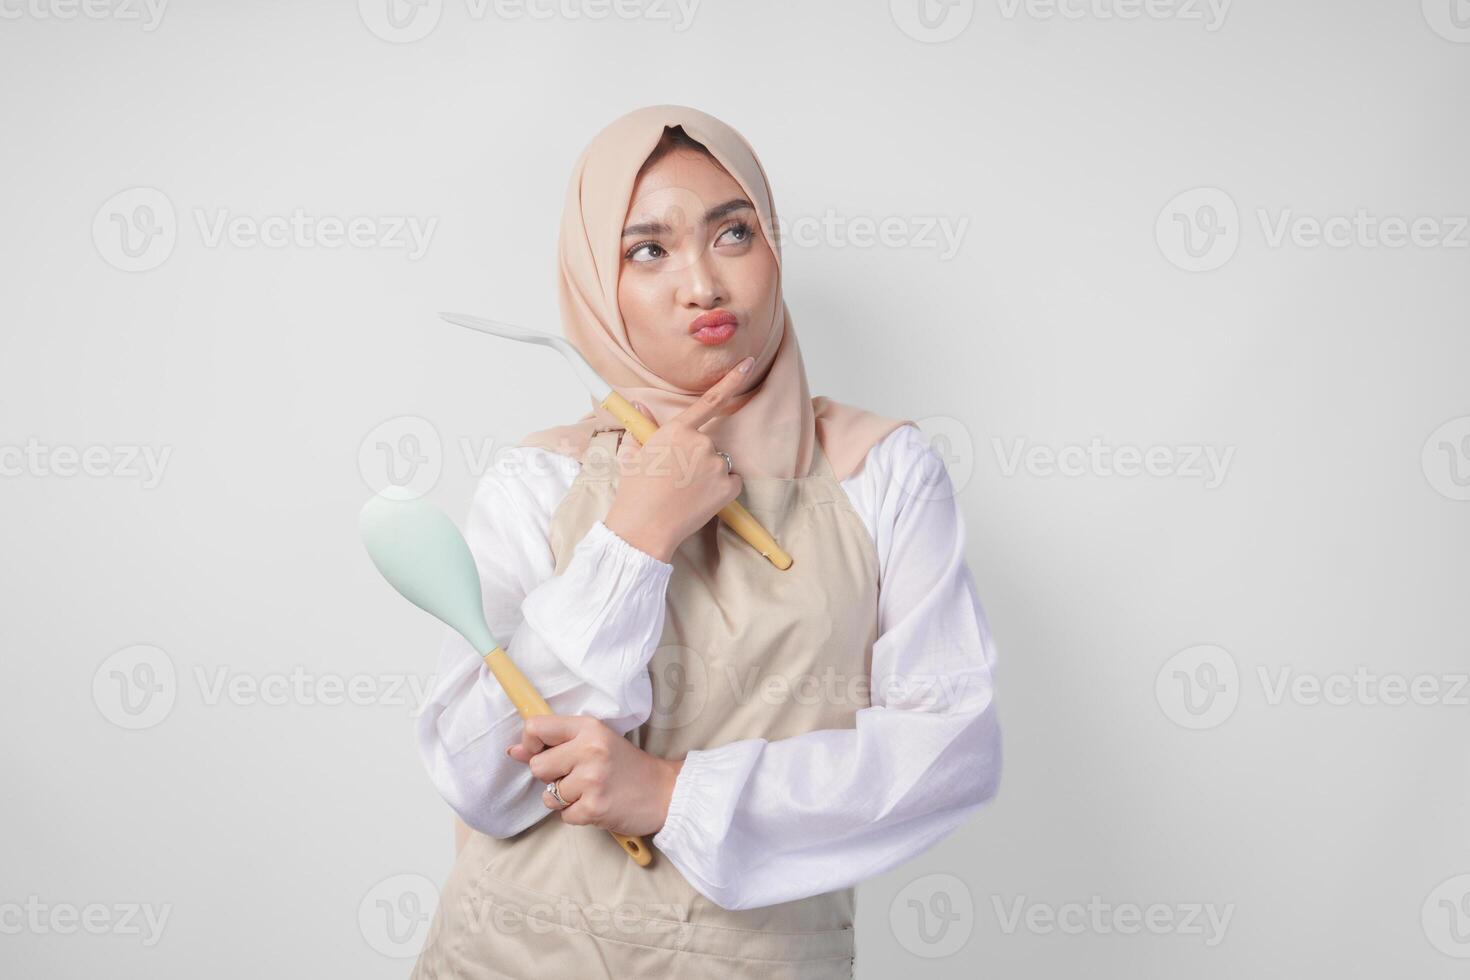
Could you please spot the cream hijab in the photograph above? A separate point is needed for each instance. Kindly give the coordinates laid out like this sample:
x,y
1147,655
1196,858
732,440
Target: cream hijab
x,y
770,428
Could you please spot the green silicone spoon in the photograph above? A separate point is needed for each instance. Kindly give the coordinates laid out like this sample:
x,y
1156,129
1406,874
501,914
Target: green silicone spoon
x,y
421,553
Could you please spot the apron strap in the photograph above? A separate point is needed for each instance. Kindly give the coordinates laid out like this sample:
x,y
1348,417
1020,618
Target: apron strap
x,y
600,458
821,466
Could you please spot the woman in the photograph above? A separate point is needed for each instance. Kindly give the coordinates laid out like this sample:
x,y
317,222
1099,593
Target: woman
x,y
776,735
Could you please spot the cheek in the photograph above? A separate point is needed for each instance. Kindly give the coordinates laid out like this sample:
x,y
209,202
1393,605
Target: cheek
x,y
636,302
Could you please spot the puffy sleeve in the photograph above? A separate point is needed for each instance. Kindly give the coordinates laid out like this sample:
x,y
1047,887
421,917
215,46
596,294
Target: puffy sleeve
x,y
757,822
583,638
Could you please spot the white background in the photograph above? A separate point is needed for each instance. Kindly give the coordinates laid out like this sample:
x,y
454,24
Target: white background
x,y
290,839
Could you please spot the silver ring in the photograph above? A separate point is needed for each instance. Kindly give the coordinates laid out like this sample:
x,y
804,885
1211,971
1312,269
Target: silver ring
x,y
555,793
729,463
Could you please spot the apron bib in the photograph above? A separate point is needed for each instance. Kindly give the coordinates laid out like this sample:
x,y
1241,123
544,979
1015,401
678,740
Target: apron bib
x,y
747,651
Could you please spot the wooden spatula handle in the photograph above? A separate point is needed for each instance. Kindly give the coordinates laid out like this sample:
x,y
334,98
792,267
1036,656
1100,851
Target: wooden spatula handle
x,y
529,702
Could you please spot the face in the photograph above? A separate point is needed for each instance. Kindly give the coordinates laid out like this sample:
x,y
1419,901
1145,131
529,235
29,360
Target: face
x,y
692,248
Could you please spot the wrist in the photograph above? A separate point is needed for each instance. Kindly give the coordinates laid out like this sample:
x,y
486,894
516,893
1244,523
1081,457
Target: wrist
x,y
672,768
646,539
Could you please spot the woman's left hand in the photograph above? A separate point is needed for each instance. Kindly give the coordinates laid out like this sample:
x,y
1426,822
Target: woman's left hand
x,y
607,781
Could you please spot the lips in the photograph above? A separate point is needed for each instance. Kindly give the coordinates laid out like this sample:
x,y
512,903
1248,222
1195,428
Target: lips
x,y
714,327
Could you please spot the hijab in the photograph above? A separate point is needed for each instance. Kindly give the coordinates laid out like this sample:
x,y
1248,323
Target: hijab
x,y
771,427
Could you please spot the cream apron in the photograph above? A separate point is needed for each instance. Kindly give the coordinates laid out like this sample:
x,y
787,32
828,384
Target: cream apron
x,y
748,651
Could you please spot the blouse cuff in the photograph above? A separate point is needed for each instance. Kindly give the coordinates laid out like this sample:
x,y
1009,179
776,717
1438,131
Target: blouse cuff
x,y
602,616
606,579
694,831
601,537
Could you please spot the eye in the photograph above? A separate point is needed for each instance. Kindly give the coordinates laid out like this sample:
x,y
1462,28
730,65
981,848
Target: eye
x,y
640,247
742,228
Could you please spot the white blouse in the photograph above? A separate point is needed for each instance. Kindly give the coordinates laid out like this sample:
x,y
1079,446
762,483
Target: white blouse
x,y
753,822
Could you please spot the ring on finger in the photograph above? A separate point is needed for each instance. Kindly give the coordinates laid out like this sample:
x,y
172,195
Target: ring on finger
x,y
555,792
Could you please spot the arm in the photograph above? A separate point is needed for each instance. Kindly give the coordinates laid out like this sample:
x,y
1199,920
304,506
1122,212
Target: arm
x,y
583,637
757,822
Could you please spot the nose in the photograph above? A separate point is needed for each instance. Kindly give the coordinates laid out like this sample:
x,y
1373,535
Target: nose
x,y
699,283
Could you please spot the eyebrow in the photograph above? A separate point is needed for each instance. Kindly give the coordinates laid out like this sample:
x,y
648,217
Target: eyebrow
x,y
715,213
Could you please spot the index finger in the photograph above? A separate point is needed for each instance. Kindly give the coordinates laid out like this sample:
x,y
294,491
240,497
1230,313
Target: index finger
x,y
705,407
552,729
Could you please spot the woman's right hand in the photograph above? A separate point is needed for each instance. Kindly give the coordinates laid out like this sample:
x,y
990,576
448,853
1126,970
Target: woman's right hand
x,y
671,487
